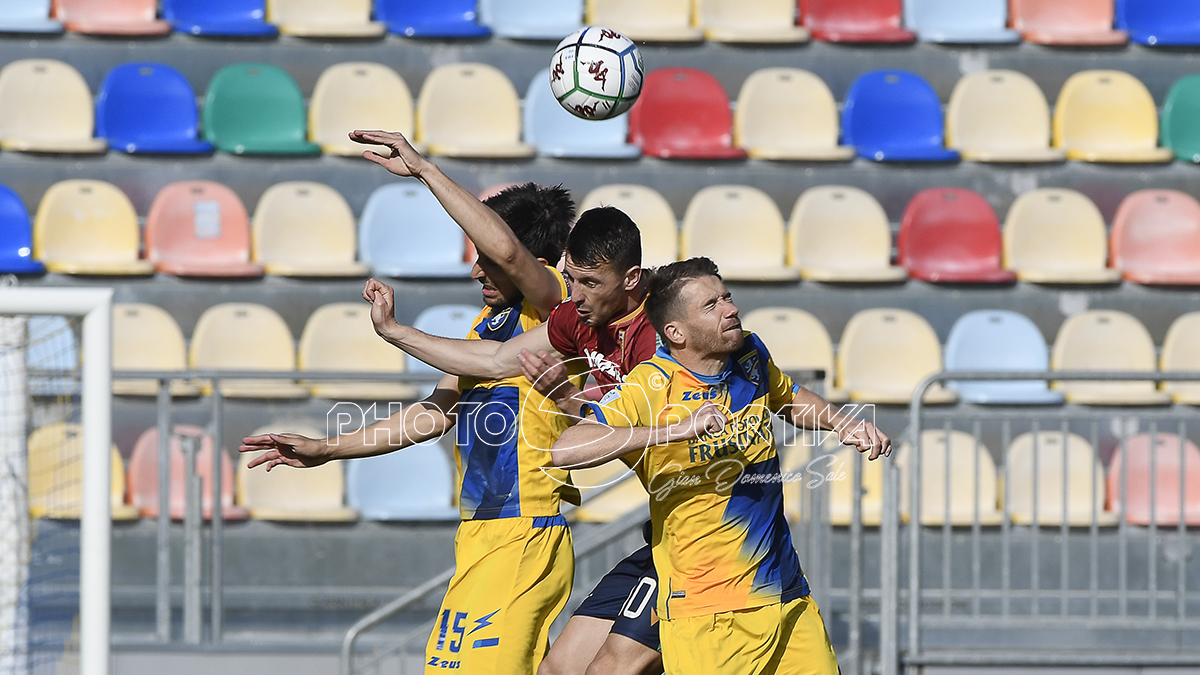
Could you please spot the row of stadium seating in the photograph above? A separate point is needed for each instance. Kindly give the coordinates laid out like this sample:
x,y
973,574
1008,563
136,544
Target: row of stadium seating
x,y
834,234
1056,22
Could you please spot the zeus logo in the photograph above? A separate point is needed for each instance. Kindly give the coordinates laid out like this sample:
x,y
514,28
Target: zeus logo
x,y
700,395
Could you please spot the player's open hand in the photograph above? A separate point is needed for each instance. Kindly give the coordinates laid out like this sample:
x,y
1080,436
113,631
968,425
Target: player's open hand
x,y
396,154
708,419
866,438
291,449
383,306
545,371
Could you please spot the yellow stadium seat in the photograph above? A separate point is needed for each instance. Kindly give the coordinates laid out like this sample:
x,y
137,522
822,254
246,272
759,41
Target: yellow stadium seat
x,y
452,123
1085,480
750,21
1057,236
1105,340
950,462
787,114
797,341
55,471
1000,116
841,487
1107,116
324,18
741,229
305,229
145,337
1181,352
625,494
793,461
340,336
245,336
357,95
841,234
885,353
646,20
88,227
306,495
651,212
45,106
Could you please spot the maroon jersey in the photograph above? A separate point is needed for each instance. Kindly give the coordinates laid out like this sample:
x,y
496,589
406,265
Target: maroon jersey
x,y
611,351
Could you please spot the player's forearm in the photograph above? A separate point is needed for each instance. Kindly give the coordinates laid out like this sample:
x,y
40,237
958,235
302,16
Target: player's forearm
x,y
470,358
414,424
812,412
592,444
492,237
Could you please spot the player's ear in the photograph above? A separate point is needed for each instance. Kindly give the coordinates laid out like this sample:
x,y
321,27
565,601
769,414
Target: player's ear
x,y
633,277
543,261
674,333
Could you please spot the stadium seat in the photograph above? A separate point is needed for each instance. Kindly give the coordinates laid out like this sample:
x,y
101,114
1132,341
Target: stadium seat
x,y
88,227
532,19
1181,352
959,21
1000,116
683,113
149,108
951,235
229,18
424,242
885,353
741,229
787,114
111,17
357,95
1152,481
797,341
28,16
145,337
243,336
52,357
1111,341
1107,116
764,21
143,475
839,233
950,463
304,229
313,495
998,340
894,116
451,122
16,236
45,106
340,337
841,491
450,321
557,133
1181,119
622,492
1066,22
646,20
1160,23
651,212
1057,236
854,20
256,109
421,18
1055,453
1155,238
324,18
416,483
55,474
198,228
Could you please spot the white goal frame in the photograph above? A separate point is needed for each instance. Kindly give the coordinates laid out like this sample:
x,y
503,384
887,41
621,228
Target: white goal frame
x,y
95,536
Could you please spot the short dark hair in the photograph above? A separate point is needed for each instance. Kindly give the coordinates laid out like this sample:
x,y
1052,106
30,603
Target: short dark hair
x,y
605,235
662,297
540,216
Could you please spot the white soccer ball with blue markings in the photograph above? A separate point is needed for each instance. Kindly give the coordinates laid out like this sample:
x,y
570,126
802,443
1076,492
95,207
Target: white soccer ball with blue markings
x,y
596,73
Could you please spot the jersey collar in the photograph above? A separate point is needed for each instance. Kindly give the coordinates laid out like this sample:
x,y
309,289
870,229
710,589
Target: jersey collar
x,y
720,377
628,318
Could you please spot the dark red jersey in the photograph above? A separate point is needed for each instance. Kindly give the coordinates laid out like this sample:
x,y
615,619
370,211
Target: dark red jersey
x,y
610,351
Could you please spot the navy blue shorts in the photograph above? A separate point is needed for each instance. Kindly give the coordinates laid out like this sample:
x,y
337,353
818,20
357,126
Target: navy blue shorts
x,y
627,596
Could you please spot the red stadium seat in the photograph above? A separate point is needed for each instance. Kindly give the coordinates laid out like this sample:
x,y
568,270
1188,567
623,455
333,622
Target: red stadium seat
x,y
951,235
855,20
143,475
1164,455
683,113
111,17
199,228
1156,238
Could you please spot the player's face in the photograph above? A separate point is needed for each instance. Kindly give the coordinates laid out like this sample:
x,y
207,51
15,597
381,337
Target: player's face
x,y
711,324
498,290
598,292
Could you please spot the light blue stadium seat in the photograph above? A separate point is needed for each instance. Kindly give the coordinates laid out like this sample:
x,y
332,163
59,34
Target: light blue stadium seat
x,y
959,21
416,483
422,18
558,133
998,340
218,17
16,236
1160,23
52,350
27,16
148,108
405,232
532,19
895,116
449,321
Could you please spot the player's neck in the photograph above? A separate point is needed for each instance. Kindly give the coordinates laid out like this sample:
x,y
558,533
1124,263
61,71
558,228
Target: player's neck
x,y
708,365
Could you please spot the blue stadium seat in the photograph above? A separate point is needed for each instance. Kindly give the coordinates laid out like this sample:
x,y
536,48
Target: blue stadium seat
x,y
416,483
1161,23
219,17
16,236
895,116
558,133
532,19
421,18
405,232
998,340
450,321
959,21
148,108
27,16
52,350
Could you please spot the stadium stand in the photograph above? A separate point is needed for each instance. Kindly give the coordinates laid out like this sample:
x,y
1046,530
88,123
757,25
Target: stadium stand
x,y
45,106
452,321
16,236
797,341
761,21
646,20
304,229
1155,238
998,340
683,113
146,337
88,227
1000,116
219,18
1056,236
1062,470
652,213
841,492
960,21
426,242
111,17
416,483
1160,23
198,228
532,19
740,228
787,114
951,235
839,233
885,353
860,21
340,337
557,133
149,108
452,124
142,480
324,18
53,353
951,460
245,336
357,95
443,19
1066,22
1181,352
1107,116
1148,490
28,16
1106,340
293,495
55,470
1180,128
256,109
894,116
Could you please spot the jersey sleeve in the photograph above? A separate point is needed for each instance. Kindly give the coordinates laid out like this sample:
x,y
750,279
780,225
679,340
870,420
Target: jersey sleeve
x,y
631,404
560,329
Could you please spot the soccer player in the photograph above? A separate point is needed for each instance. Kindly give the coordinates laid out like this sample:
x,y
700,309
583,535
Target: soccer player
x,y
695,422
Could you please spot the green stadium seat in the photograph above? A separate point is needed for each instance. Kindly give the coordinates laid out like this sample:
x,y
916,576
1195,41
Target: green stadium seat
x,y
256,109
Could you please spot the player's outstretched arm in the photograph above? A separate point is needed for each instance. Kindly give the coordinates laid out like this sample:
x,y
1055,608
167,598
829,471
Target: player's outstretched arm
x,y
810,411
414,424
492,237
591,443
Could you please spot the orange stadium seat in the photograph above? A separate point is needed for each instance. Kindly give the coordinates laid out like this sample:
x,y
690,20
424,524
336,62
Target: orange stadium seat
x,y
1159,460
111,17
451,122
857,21
764,21
357,95
787,114
1181,352
683,113
243,336
339,336
1106,340
1056,236
198,228
1000,116
741,229
305,229
797,340
310,495
885,353
143,475
950,463
646,20
1155,238
951,235
651,212
1066,22
324,18
45,106
146,337
839,233
88,227
55,474
1055,453
1107,116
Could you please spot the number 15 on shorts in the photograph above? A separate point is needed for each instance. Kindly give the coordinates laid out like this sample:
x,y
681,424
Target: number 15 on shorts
x,y
453,625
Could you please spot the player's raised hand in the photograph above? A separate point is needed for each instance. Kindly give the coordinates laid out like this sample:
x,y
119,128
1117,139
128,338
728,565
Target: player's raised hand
x,y
545,371
866,438
291,449
396,154
383,305
708,419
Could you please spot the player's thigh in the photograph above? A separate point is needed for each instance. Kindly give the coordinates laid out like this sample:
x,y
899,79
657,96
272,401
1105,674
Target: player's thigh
x,y
621,655
576,647
805,648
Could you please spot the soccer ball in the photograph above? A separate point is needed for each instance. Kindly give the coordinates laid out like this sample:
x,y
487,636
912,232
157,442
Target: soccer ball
x,y
596,73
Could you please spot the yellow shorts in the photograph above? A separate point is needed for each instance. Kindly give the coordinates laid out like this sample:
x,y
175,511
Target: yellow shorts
x,y
779,639
513,577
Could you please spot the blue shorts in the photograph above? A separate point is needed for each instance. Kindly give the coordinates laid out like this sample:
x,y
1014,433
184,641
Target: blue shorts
x,y
628,596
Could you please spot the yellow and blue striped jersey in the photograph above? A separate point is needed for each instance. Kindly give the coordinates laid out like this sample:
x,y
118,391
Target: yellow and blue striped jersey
x,y
720,540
